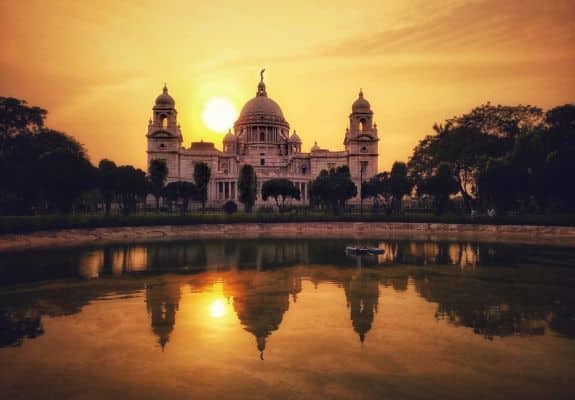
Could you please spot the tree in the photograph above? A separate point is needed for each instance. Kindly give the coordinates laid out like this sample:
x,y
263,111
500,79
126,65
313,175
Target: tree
x,y
560,160
64,177
247,187
501,121
17,117
378,189
390,186
23,175
107,182
440,185
202,176
157,174
132,185
280,188
333,188
399,184
182,191
466,149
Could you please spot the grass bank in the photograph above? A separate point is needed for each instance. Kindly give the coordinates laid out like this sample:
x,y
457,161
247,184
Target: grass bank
x,y
28,224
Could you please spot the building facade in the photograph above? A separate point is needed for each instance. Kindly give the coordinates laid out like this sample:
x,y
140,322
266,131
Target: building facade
x,y
261,137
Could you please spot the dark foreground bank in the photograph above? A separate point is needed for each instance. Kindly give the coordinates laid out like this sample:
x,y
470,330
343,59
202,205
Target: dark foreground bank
x,y
28,224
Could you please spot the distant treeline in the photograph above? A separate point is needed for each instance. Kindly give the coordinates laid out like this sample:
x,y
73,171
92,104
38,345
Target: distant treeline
x,y
495,159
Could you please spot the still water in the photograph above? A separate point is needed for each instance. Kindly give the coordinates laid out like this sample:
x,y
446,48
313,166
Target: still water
x,y
288,319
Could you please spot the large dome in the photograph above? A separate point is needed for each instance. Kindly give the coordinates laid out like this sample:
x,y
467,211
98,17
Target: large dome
x,y
261,109
261,105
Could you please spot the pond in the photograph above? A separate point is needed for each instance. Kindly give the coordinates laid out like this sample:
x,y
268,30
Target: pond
x,y
288,319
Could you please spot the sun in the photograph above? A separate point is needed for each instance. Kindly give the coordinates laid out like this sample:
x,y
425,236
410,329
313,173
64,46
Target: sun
x,y
219,114
217,308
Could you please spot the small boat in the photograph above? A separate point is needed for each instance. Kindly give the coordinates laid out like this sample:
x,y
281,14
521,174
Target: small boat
x,y
363,250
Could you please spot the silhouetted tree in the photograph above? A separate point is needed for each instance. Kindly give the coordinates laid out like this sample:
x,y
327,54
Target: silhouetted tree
x,y
247,187
202,176
64,177
440,185
181,191
333,188
17,117
132,185
280,188
157,174
107,182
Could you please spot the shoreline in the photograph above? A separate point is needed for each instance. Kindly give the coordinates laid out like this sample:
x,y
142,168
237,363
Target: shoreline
x,y
520,234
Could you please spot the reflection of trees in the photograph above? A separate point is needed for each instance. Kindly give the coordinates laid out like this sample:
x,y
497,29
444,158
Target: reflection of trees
x,y
261,299
21,313
496,308
17,325
162,302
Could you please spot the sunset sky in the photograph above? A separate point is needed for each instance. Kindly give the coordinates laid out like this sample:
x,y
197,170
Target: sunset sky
x,y
97,66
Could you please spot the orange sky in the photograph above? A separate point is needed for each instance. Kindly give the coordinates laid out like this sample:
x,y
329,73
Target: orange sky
x,y
98,66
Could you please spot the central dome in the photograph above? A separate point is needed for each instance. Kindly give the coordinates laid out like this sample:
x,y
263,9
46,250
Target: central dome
x,y
261,105
261,109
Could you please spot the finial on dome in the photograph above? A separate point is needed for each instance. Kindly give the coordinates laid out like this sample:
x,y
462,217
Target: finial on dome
x,y
165,90
361,93
262,86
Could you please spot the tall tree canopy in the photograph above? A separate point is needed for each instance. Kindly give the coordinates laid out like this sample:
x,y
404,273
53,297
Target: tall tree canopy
x,y
247,187
132,186
333,188
157,174
181,191
17,117
280,188
202,175
440,186
390,186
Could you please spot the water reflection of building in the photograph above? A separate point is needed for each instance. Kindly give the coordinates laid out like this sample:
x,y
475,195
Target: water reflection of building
x,y
162,301
261,300
362,295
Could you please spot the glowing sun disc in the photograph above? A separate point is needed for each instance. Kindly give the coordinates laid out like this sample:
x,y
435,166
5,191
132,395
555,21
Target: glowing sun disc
x,y
217,309
219,114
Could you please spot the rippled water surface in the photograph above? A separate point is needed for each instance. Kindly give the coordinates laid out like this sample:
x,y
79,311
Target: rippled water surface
x,y
288,319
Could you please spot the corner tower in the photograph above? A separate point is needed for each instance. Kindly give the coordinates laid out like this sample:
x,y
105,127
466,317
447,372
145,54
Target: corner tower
x,y
361,141
164,135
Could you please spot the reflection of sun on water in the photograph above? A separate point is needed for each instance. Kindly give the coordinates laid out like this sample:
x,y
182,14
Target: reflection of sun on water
x,y
217,308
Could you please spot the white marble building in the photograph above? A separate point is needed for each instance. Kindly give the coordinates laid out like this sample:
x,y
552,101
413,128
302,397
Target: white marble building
x,y
261,137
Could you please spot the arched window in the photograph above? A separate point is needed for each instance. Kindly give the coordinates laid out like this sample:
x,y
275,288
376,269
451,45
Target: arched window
x,y
164,121
362,124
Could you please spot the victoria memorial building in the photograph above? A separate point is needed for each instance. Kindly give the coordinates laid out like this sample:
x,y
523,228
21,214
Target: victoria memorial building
x,y
261,137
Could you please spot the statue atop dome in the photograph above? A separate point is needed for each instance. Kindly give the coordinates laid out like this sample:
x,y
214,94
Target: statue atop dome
x,y
262,85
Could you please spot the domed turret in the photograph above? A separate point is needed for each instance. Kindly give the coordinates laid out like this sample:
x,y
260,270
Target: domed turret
x,y
361,105
165,100
315,147
229,137
294,138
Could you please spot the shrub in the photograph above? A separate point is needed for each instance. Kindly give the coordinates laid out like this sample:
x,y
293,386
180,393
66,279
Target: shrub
x,y
230,207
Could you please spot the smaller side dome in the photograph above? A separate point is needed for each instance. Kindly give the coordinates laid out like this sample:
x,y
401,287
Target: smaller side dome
x,y
315,147
165,100
294,138
229,137
361,104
